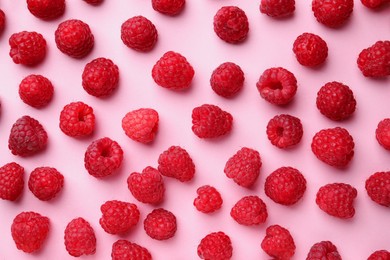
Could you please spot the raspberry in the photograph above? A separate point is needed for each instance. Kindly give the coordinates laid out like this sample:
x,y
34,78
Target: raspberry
x,y
336,199
124,250
244,167
332,13
209,199
29,231
173,71
176,163
310,49
2,21
27,48
141,125
277,8
231,24
249,210
382,133
168,7
77,119
372,4
94,2
160,224
139,33
380,255
323,250
46,10
45,182
284,131
277,85
278,242
118,217
80,238
378,188
148,186
74,38
27,137
11,181
336,101
36,90
227,79
216,245
333,146
374,61
210,121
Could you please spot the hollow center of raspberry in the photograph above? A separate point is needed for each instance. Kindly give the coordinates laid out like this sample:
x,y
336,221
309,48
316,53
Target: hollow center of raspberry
x,y
81,117
106,152
276,85
279,131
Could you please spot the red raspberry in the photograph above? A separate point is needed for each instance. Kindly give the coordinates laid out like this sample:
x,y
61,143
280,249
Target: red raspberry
x,y
210,121
209,199
77,119
336,199
74,38
332,13
36,90
29,231
118,217
336,101
176,163
278,243
277,85
323,250
244,167
378,188
382,133
173,71
27,137
375,60
231,24
310,49
160,224
372,4
227,79
148,186
11,181
333,146
46,10
141,125
380,255
27,48
284,131
80,238
94,2
125,250
139,33
168,7
45,182
2,21
216,245
249,210
277,8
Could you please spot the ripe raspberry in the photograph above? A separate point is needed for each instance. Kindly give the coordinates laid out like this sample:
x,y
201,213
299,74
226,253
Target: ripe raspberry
x,y
27,48
277,8
160,224
94,2
278,242
173,71
277,85
378,188
36,90
323,250
139,33
332,13
244,167
333,146
210,121
2,21
118,217
375,60
27,137
372,4
45,182
11,181
336,199
29,231
216,245
209,199
80,238
77,119
74,38
176,163
380,255
231,24
284,131
168,7
124,250
310,49
227,79
382,133
141,125
46,10
249,210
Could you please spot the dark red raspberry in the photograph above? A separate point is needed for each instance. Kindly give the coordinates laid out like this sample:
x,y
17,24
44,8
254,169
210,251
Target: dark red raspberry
x,y
277,85
45,182
141,125
36,90
74,38
77,119
160,224
373,4
216,245
231,24
378,188
333,146
139,33
380,255
11,181
125,250
94,2
2,21
27,137
277,8
375,60
46,9
210,121
118,217
249,210
244,167
168,7
227,79
176,163
382,133
278,243
332,13
80,238
27,48
284,130
323,250
310,49
29,231
209,199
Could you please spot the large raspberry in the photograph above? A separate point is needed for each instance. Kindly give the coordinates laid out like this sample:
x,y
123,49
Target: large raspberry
x,y
373,4
382,133
378,188
11,181
231,24
118,217
210,121
125,250
176,163
139,33
160,224
374,61
2,21
323,250
208,200
249,210
94,2
27,48
379,255
77,119
332,13
278,243
36,90
80,238
310,49
141,125
168,7
45,182
284,130
227,79
46,9
216,245
277,8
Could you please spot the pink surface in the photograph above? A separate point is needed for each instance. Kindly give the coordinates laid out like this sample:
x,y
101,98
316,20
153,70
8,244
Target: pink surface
x,y
269,44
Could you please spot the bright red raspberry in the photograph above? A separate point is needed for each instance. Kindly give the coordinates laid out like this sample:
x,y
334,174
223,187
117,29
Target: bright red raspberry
x,y
176,163
231,24
74,38
45,182
46,9
382,133
277,8
27,137
380,255
244,167
216,245
208,200
27,48
36,90
374,61
373,4
80,238
378,188
332,13
210,121
173,71
284,130
141,125
227,79
77,119
160,224
2,21
333,146
118,217
148,186
94,2
249,210
29,231
310,49
323,250
11,181
139,33
278,242
125,250
168,7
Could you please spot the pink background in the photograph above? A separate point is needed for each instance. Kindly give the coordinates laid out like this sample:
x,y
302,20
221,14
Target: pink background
x,y
269,44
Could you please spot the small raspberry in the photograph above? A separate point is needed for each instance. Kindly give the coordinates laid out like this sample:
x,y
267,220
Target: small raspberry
x,y
168,7
209,199
310,49
382,133
77,119
103,157
216,245
227,79
29,231
36,90
160,224
94,2
176,163
27,48
80,238
378,188
45,182
210,121
141,125
139,33
277,8
375,60
278,243
380,255
249,210
118,217
2,21
373,4
231,24
323,250
11,181
284,131
332,13
125,250
46,10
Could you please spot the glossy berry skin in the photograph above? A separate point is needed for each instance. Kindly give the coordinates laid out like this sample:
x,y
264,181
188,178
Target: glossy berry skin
x,y
77,119
210,121
374,4
175,162
378,188
11,181
231,24
379,255
284,131
160,224
382,133
216,245
168,7
27,48
310,49
45,183
80,238
208,200
323,250
374,61
227,79
249,210
278,243
332,13
118,217
36,90
46,9
2,21
141,125
277,8
139,33
125,250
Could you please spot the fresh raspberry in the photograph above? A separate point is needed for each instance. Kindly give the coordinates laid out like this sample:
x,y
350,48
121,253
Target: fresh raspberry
x,y
382,133
277,8
210,121
80,238
176,163
125,250
46,9
244,167
310,49
227,79
284,131
160,224
173,71
27,48
249,210
11,181
333,146
77,119
2,21
375,60
277,85
141,125
216,245
278,243
45,182
29,231
336,101
231,24
139,33
94,2
332,13
378,188
209,199
373,4
168,7
118,217
74,38
323,250
380,255
27,137
36,90
148,186
336,199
